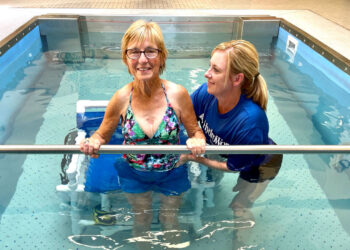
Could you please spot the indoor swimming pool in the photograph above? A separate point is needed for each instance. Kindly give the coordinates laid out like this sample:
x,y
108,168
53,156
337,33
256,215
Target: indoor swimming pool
x,y
307,205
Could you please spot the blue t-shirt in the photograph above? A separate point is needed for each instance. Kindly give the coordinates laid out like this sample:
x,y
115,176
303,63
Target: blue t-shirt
x,y
245,124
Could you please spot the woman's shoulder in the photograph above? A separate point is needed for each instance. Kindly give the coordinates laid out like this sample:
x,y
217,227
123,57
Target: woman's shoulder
x,y
172,86
123,92
174,90
252,111
248,103
121,96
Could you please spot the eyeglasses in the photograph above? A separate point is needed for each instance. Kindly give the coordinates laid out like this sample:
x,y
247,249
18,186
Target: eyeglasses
x,y
150,53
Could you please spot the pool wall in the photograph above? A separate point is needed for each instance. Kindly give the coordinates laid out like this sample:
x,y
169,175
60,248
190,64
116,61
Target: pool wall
x,y
88,40
16,79
313,90
62,35
186,37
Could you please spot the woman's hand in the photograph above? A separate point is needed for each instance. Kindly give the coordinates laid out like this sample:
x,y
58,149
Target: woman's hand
x,y
90,146
196,145
184,159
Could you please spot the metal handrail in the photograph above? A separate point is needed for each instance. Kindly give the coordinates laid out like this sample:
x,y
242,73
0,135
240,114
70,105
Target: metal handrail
x,y
178,149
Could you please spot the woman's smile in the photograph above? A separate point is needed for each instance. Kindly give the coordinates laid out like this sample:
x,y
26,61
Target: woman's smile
x,y
144,68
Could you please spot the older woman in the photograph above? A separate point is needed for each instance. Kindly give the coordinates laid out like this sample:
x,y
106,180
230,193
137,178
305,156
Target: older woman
x,y
231,110
151,110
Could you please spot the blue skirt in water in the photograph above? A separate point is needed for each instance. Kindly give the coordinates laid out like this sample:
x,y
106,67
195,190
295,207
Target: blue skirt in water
x,y
172,182
101,175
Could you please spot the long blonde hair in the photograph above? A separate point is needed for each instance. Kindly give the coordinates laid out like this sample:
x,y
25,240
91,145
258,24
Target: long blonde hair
x,y
141,30
242,57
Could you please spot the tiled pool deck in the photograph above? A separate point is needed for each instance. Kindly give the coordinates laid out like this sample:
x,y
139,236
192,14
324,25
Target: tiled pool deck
x,y
336,10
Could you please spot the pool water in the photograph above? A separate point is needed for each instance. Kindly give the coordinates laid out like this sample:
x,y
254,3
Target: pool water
x,y
306,206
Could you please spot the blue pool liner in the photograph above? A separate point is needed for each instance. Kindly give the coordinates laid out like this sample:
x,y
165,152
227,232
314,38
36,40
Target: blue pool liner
x,y
20,56
322,89
15,81
325,71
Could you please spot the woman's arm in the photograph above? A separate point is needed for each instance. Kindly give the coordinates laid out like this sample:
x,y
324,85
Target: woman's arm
x,y
215,164
115,107
183,106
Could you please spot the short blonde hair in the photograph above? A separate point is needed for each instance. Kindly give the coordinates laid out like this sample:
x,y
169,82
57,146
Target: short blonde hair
x,y
141,30
242,57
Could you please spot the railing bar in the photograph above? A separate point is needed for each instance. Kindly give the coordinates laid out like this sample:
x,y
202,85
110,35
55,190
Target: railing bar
x,y
177,149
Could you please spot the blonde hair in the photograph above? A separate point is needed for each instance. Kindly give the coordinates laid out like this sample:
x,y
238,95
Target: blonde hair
x,y
242,57
138,32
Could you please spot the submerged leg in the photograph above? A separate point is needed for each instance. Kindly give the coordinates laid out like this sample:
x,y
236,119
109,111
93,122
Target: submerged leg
x,y
141,204
241,204
168,217
247,194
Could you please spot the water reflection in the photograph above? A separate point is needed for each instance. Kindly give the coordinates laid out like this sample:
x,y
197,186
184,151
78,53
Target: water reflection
x,y
211,228
160,238
95,241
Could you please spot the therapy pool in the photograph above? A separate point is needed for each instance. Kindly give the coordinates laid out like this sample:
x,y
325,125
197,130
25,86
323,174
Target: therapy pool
x,y
60,61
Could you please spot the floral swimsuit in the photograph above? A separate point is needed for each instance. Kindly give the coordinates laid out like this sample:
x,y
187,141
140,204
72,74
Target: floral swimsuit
x,y
166,134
